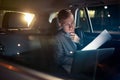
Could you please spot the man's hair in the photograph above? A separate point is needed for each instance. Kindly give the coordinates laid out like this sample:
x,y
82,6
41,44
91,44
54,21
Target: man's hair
x,y
64,14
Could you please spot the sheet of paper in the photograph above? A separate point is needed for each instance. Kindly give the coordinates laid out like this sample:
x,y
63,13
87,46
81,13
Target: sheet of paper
x,y
98,41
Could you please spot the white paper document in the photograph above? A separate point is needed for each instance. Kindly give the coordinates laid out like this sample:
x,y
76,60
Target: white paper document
x,y
98,41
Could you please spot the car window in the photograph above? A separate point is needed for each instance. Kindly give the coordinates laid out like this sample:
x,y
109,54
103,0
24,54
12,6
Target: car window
x,y
105,17
81,20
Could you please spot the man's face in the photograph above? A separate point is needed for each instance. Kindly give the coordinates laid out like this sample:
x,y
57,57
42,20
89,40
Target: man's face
x,y
68,24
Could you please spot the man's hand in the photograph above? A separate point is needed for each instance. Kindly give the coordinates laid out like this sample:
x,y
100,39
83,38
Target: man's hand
x,y
74,37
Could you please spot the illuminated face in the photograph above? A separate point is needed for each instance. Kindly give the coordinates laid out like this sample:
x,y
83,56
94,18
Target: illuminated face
x,y
68,24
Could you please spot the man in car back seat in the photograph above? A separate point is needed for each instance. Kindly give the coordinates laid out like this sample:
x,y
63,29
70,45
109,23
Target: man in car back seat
x,y
66,39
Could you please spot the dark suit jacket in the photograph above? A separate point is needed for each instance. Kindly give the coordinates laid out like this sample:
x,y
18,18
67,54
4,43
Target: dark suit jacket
x,y
65,48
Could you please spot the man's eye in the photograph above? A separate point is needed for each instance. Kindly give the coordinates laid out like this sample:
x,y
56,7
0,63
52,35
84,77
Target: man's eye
x,y
66,24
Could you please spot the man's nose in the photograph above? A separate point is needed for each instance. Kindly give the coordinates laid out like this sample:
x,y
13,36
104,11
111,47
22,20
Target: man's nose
x,y
71,27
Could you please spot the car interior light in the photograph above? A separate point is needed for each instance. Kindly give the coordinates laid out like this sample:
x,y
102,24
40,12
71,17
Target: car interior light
x,y
105,7
19,45
28,18
18,53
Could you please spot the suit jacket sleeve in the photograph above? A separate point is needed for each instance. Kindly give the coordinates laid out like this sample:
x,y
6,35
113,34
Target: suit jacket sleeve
x,y
60,54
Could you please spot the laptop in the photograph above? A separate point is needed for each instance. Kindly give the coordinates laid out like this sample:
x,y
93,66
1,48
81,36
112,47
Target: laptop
x,y
85,61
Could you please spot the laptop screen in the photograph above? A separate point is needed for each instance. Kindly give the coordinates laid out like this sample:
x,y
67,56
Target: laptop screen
x,y
85,61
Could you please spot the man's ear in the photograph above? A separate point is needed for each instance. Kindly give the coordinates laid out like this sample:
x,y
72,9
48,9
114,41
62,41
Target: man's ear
x,y
59,24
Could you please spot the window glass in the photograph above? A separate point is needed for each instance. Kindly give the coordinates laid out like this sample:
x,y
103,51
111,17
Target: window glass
x,y
105,17
81,20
